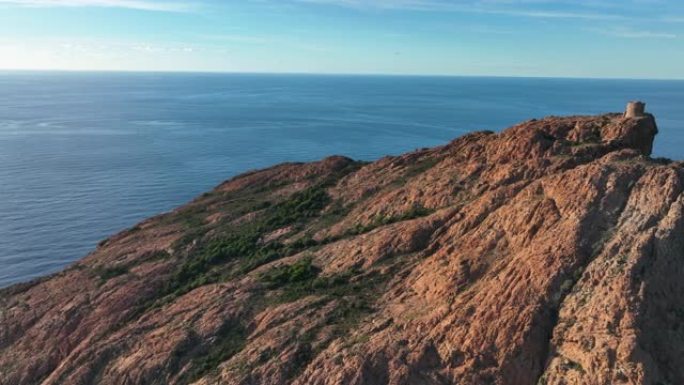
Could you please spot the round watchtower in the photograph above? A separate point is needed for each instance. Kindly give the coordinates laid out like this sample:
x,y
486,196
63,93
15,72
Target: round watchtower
x,y
635,109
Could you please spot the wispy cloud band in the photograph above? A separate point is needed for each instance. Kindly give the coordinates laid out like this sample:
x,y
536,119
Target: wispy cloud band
x,y
628,33
146,5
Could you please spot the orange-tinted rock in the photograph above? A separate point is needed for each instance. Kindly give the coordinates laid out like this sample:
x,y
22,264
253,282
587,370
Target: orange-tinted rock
x,y
550,253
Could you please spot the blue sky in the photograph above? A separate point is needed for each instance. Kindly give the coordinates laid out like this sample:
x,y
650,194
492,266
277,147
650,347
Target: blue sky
x,y
590,38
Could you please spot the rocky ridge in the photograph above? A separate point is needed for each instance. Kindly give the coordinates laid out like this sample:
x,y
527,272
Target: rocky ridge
x,y
549,253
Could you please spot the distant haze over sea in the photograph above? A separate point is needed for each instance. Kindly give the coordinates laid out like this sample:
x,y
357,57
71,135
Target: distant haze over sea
x,y
85,155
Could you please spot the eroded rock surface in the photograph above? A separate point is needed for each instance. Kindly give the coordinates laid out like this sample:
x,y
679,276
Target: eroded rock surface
x,y
550,253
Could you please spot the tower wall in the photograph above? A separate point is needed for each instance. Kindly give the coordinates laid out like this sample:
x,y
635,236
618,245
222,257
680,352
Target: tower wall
x,y
635,109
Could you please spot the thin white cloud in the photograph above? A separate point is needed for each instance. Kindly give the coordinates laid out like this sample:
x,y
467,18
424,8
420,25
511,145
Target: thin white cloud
x,y
627,33
386,4
248,39
555,14
163,49
145,5
519,8
291,42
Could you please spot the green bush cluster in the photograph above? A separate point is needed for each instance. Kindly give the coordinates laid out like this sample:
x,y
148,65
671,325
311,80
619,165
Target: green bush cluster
x,y
353,294
230,340
417,211
275,250
191,274
301,271
301,279
222,249
302,205
245,244
107,273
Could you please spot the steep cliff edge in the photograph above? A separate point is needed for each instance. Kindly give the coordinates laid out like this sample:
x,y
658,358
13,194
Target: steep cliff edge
x,y
550,253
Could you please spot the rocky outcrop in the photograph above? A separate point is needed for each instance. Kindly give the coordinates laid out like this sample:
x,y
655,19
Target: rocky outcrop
x,y
549,253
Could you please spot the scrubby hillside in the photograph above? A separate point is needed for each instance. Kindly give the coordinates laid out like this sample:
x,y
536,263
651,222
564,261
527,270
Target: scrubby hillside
x,y
551,253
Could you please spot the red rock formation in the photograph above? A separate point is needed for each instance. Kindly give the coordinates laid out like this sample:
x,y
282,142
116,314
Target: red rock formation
x,y
550,253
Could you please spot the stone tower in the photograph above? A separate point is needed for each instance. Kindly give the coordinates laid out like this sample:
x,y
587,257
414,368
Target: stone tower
x,y
635,109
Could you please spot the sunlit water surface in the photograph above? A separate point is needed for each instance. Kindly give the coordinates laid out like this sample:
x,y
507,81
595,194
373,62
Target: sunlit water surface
x,y
84,155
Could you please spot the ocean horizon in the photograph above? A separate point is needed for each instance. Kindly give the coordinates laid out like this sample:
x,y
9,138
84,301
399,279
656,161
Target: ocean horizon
x,y
84,155
38,71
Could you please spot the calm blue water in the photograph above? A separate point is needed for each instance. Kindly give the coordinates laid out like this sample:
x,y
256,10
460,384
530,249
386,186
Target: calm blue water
x,y
84,155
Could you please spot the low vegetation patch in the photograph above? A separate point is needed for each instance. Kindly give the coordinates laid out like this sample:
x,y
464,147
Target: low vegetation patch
x,y
301,271
226,249
243,244
192,273
417,211
303,278
353,293
299,280
230,340
107,273
300,206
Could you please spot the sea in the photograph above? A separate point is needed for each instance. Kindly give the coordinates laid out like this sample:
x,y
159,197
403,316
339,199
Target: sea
x,y
84,155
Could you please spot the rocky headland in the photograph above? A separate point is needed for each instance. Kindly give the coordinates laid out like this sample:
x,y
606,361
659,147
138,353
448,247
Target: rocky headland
x,y
549,253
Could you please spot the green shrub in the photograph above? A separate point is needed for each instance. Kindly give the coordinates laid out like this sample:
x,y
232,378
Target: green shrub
x,y
230,340
192,273
302,279
261,257
301,244
300,271
353,298
107,273
302,205
416,211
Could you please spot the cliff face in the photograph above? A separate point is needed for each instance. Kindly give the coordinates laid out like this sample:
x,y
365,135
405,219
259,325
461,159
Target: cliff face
x,y
551,253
